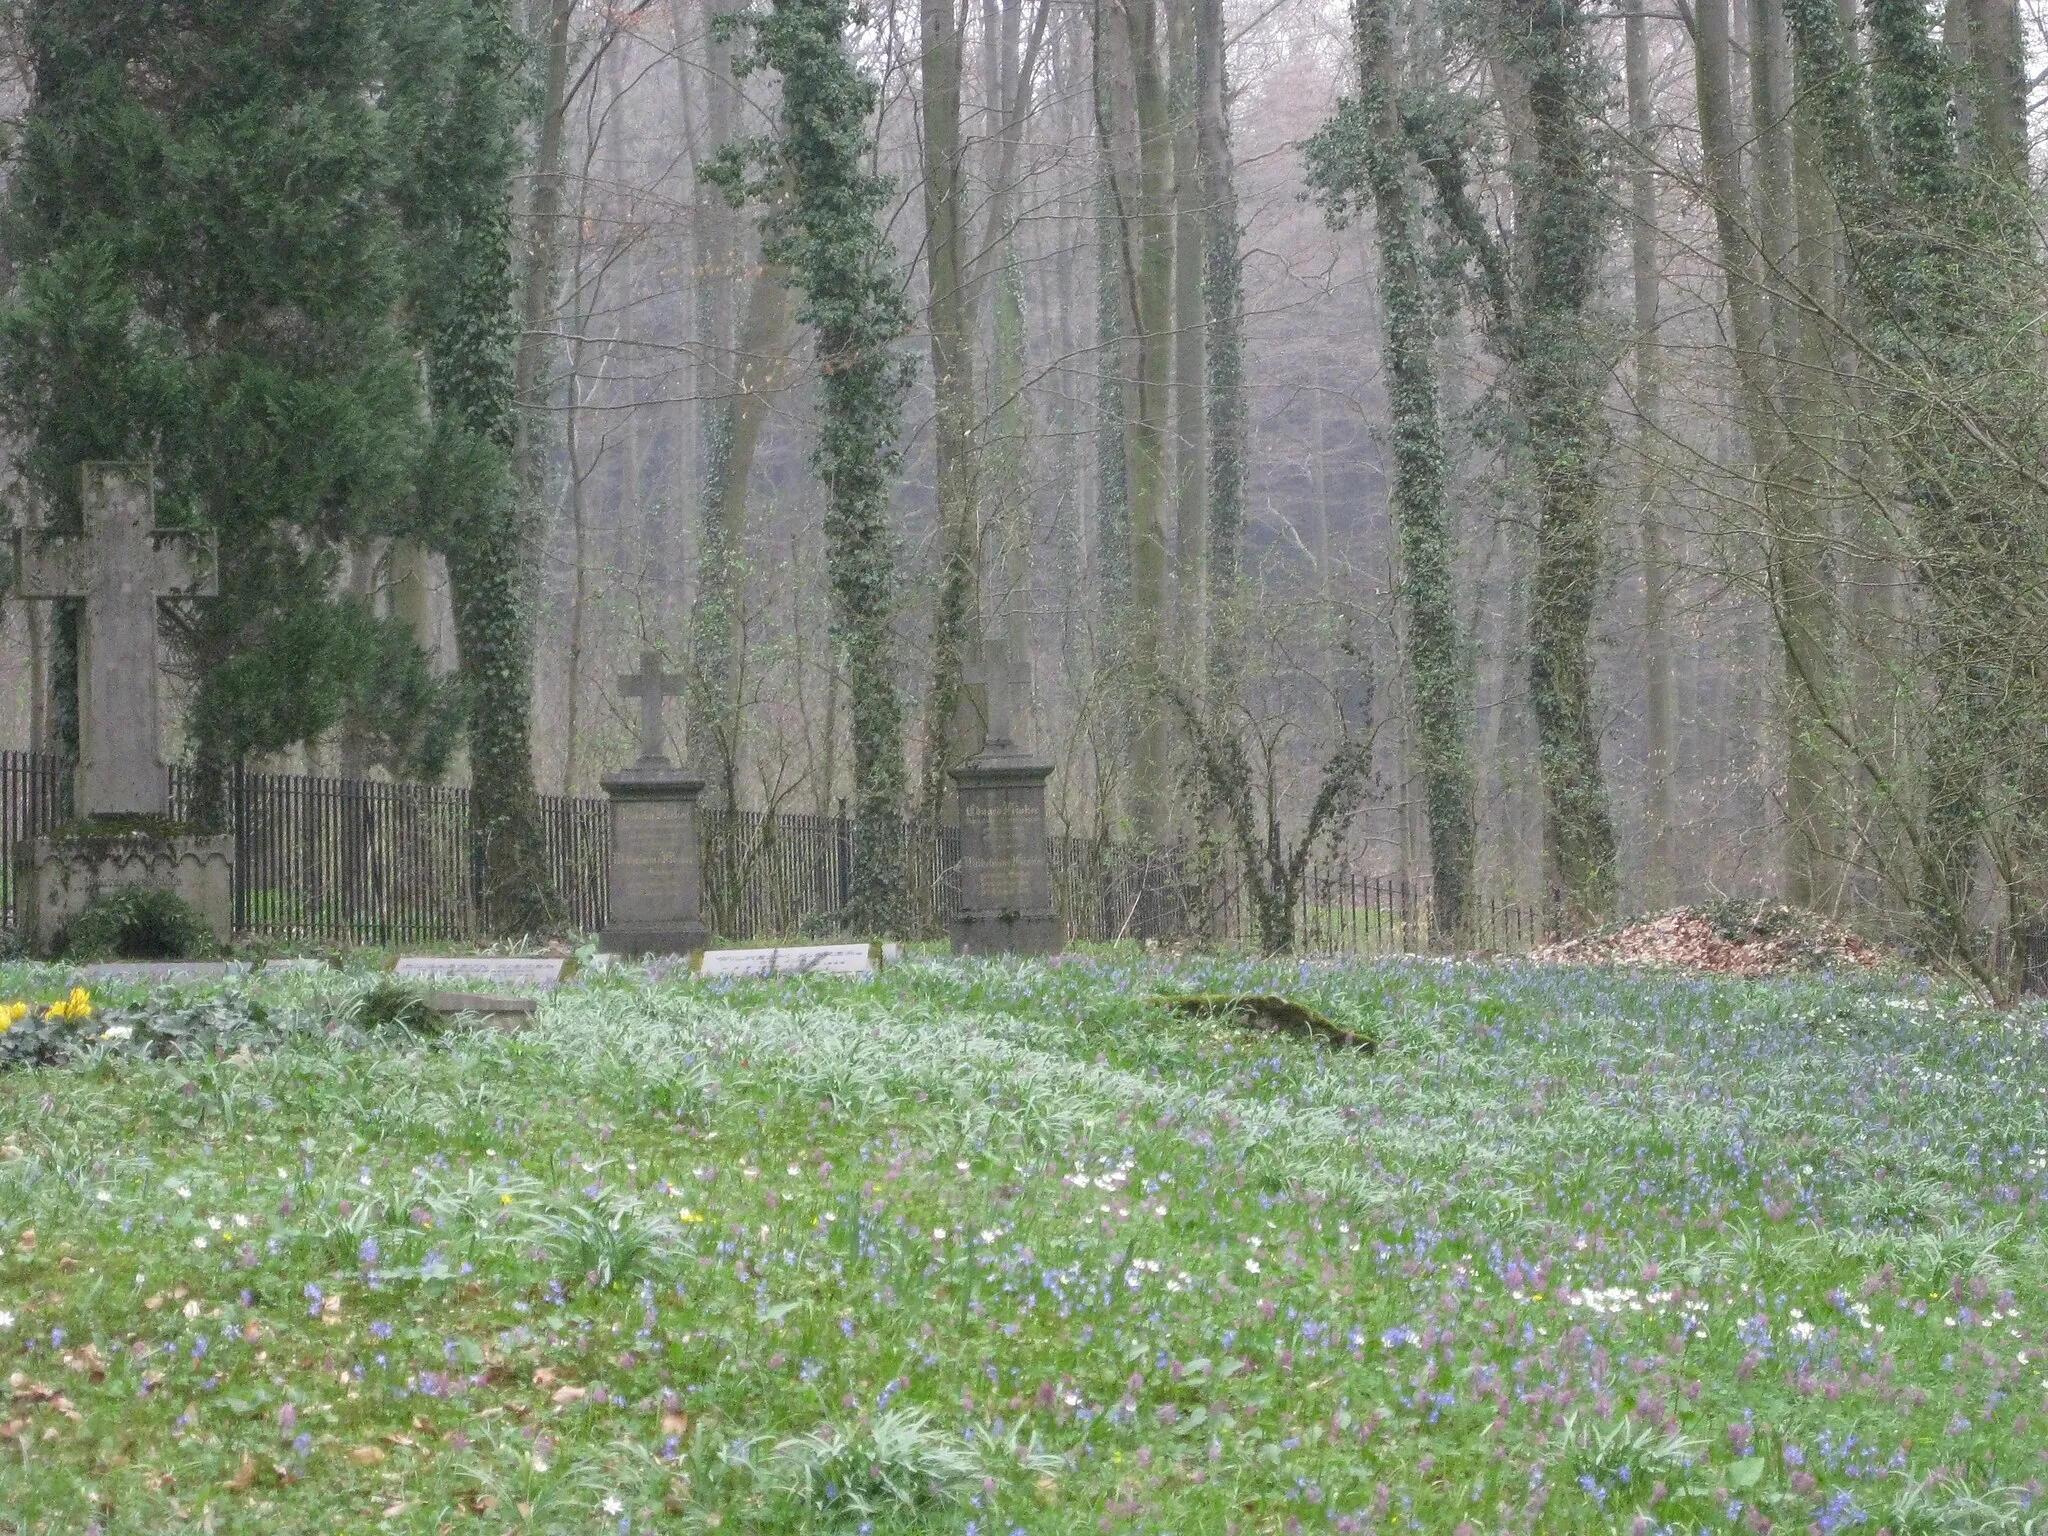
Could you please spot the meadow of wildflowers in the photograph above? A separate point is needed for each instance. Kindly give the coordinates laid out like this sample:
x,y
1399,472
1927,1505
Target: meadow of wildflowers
x,y
1002,1248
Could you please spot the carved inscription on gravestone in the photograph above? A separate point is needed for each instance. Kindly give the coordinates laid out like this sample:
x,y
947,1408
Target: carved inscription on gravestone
x,y
648,872
1004,856
1005,881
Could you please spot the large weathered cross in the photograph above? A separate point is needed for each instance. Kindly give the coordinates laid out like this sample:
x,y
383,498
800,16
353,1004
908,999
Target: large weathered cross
x,y
1002,676
652,687
122,565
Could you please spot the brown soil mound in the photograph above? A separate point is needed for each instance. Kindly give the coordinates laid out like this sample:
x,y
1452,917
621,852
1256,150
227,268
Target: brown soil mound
x,y
1734,938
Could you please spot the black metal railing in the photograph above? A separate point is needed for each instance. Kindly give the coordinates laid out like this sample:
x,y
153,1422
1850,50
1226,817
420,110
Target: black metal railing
x,y
35,795
369,862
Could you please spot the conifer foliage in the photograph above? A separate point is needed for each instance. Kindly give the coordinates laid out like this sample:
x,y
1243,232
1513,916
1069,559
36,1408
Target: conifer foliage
x,y
245,234
208,276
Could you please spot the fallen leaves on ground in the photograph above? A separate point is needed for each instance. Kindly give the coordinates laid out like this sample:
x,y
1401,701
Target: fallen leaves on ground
x,y
1743,939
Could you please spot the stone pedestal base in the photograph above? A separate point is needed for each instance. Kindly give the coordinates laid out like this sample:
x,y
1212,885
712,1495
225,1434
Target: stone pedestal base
x,y
657,871
54,877
1005,875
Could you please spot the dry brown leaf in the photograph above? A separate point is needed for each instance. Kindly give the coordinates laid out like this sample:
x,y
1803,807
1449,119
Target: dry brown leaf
x,y
366,1455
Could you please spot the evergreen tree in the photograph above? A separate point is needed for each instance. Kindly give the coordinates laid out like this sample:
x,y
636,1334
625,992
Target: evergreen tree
x,y
823,223
207,275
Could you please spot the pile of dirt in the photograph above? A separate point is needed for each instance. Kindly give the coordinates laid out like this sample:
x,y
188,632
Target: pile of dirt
x,y
1729,938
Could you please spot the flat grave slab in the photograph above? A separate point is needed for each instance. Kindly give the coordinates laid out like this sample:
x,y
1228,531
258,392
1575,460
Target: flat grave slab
x,y
499,970
798,960
191,970
496,1011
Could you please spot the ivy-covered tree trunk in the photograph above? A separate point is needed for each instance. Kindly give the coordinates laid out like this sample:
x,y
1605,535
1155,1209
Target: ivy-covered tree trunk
x,y
1439,670
1919,156
827,232
1559,372
464,295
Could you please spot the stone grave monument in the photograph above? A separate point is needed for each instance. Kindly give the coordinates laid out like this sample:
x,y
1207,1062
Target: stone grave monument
x,y
119,565
1005,873
657,874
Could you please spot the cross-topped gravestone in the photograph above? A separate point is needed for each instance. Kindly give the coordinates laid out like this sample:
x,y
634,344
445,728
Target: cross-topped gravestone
x,y
652,687
1005,871
655,884
121,565
1001,675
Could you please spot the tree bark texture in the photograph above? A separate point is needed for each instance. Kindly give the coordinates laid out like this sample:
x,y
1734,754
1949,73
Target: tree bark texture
x,y
1440,684
733,425
1141,187
1558,374
1657,873
1223,302
950,321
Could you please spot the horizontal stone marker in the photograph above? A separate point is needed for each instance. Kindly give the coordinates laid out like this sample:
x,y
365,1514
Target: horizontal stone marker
x,y
500,970
496,1011
192,970
798,960
157,970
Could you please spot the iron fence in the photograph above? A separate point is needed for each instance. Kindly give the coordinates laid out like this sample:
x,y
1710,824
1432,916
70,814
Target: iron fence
x,y
367,862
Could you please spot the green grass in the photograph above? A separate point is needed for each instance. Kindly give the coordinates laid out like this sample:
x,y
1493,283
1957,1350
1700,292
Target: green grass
x,y
997,1248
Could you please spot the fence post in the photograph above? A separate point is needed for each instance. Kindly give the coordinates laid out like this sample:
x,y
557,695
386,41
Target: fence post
x,y
237,823
844,850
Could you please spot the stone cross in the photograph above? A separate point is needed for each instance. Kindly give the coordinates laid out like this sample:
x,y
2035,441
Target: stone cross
x,y
121,565
652,687
1003,675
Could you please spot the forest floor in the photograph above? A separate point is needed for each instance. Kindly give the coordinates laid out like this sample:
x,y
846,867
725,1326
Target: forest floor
x,y
995,1249
1728,938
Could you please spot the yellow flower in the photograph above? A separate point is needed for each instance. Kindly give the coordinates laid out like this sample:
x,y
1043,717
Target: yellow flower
x,y
77,1007
690,1215
12,1014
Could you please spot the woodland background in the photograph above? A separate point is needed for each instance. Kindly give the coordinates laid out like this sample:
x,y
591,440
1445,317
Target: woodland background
x,y
1701,345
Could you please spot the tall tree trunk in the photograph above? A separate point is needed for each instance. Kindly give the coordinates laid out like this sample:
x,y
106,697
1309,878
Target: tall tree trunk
x,y
1997,85
950,318
1658,762
1141,182
830,235
492,533
1788,484
579,582
1558,374
1223,303
1190,325
732,436
1439,683
1115,744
